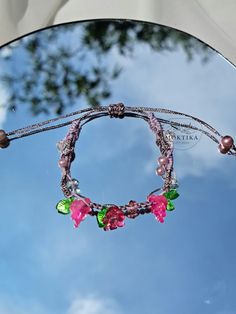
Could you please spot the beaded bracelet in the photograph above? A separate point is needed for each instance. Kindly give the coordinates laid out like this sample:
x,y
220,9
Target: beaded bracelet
x,y
111,216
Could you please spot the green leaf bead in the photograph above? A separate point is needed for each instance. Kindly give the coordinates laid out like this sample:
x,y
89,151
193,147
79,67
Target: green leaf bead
x,y
63,207
101,215
172,194
170,206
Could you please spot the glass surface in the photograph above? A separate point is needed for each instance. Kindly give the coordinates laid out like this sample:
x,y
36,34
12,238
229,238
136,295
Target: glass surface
x,y
187,264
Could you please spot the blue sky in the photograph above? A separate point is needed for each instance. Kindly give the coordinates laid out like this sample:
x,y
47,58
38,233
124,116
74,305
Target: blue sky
x,y
186,265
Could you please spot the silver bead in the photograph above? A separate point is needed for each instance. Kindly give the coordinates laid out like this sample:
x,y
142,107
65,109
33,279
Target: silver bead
x,y
77,191
69,184
75,182
169,136
60,146
174,184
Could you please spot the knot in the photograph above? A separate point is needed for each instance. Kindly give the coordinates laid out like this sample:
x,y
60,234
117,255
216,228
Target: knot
x,y
116,110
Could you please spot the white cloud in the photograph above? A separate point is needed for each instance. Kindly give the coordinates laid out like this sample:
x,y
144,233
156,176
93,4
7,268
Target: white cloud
x,y
124,138
218,289
5,51
89,304
93,305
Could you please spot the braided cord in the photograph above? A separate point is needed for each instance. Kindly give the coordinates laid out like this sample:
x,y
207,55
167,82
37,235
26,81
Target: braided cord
x,y
210,132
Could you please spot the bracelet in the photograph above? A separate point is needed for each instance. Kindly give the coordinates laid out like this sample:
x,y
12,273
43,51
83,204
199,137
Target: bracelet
x,y
111,216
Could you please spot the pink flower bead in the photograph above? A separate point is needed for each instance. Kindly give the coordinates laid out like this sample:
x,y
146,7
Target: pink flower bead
x,y
158,206
158,199
79,210
114,218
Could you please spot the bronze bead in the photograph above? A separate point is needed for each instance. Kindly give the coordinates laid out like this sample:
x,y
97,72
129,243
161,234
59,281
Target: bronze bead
x,y
4,140
162,160
227,141
222,149
160,171
2,135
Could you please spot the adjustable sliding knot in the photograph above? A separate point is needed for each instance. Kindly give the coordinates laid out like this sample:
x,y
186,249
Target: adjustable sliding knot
x,y
116,110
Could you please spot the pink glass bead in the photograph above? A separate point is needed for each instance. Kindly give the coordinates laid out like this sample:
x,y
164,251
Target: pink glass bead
x,y
79,210
162,160
62,163
114,218
160,171
158,206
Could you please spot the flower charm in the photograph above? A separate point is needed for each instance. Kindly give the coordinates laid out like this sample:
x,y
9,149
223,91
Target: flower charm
x,y
158,206
114,218
79,210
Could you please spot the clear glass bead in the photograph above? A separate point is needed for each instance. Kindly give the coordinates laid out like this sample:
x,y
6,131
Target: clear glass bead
x,y
77,191
75,182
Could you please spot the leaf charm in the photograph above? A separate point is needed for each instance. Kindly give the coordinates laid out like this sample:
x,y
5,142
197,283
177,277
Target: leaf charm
x,y
63,207
172,194
170,206
101,215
